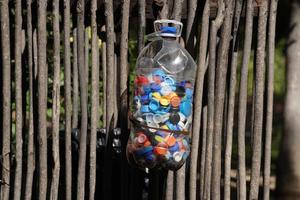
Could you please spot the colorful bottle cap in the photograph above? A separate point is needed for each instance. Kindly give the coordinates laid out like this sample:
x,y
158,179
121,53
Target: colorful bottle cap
x,y
174,118
164,101
146,89
154,105
189,93
186,108
188,85
160,149
177,156
165,109
157,118
157,79
169,81
165,90
174,148
170,140
156,95
170,126
175,101
150,157
147,143
141,138
141,80
145,109
159,138
180,125
155,87
185,144
144,150
165,127
182,117
145,99
180,90
160,133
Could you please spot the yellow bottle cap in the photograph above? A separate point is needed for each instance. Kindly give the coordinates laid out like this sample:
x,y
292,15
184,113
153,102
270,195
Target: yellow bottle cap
x,y
156,95
164,101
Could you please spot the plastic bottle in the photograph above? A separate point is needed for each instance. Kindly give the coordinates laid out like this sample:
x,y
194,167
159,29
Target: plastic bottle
x,y
163,101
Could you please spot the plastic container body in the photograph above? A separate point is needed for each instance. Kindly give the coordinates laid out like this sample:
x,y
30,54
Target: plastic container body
x,y
162,106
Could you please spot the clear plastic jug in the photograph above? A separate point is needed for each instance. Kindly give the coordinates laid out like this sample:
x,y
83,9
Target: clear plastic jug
x,y
162,101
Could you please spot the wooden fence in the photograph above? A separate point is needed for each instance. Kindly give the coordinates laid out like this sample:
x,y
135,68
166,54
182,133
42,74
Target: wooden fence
x,y
65,95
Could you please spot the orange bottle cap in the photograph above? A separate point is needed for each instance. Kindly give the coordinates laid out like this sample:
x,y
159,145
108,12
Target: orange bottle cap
x,y
175,101
160,150
170,140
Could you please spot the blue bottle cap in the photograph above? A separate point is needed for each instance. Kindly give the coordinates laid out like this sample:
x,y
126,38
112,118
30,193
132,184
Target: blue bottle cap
x,y
145,99
174,148
146,89
155,87
154,105
150,157
186,108
189,93
144,150
145,109
169,80
168,29
170,126
160,133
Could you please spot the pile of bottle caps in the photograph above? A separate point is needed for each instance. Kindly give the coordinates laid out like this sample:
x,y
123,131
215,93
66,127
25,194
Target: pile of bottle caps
x,y
163,109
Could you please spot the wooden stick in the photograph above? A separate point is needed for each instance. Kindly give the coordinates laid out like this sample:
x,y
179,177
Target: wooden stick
x,y
242,107
6,99
30,145
56,102
18,96
95,101
259,100
68,99
270,90
201,69
75,82
83,100
231,101
42,98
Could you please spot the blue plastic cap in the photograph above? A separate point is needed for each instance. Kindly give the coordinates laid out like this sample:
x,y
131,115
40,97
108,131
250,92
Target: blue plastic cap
x,y
168,29
154,105
145,109
186,108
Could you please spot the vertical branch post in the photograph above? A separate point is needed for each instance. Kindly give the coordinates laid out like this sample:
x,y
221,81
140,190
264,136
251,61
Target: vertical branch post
x,y
270,90
68,100
259,99
83,100
30,144
18,95
95,101
56,102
